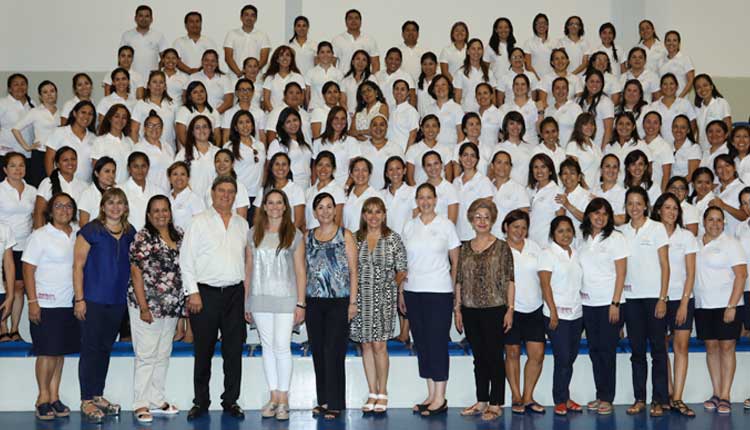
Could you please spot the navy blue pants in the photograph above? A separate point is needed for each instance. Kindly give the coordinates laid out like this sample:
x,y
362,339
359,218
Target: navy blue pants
x,y
644,327
603,337
484,331
565,339
98,334
430,317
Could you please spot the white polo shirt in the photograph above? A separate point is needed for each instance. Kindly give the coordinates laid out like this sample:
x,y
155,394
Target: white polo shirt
x,y
216,87
716,109
478,187
491,123
159,161
427,249
525,271
540,51
597,257
138,200
615,196
504,83
589,157
579,198
446,196
294,193
258,115
499,61
11,111
184,116
16,212
743,235
520,154
690,214
575,50
655,55
411,60
543,211
468,85
191,52
648,79
566,278
90,199
643,280
202,170
680,106
574,83
679,65
175,84
6,242
42,122
112,99
304,55
403,120
385,82
662,154
343,150
185,205
510,196
604,110
249,171
400,206
73,188
51,251
714,277
731,196
415,153
119,148
530,117
345,45
689,151
681,244
378,157
566,116
277,83
300,156
246,44
316,78
332,188
147,46
453,57
353,208
166,111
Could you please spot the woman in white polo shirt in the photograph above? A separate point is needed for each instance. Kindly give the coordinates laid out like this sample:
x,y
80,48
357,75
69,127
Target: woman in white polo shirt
x,y
603,253
470,186
543,189
646,286
432,248
528,320
721,272
728,192
681,306
360,170
447,196
560,275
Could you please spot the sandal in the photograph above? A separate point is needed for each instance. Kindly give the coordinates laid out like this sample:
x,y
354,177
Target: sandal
x,y
44,412
4,338
473,410
711,404
517,408
605,408
369,407
15,336
638,407
381,408
491,414
432,412
682,408
331,414
724,407
268,410
318,410
746,404
593,405
656,410
92,413
104,405
142,415
534,408
573,406
165,409
419,407
282,412
60,409
561,409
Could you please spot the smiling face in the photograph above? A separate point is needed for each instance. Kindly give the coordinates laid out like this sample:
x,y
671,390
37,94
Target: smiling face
x,y
222,196
331,96
433,166
594,84
632,94
125,59
392,62
703,185
301,28
170,60
251,69
121,83
668,87
741,140
599,219
563,234
430,129
198,96
560,91
292,125
114,208
138,169
624,127
715,134
680,129
15,168
48,94
703,88
83,88
68,163
400,92
714,222
484,96
679,189
244,126
550,134
726,172
541,172
201,130
159,215
152,129
482,221
325,211
378,127
426,200
274,206
223,164
339,122
635,206
652,125
610,170
106,176
469,159
570,178
501,166
324,169
637,169
473,128
429,67
475,51
280,168
360,174
517,230
607,36
210,63
157,85
374,217
395,172
669,212
178,179
62,211
745,203
560,61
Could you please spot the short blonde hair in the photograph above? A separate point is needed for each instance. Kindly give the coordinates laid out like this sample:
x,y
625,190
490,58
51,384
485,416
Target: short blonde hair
x,y
483,203
111,194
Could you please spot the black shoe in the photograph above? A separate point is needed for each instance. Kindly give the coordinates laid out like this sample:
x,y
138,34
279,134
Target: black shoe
x,y
235,411
196,412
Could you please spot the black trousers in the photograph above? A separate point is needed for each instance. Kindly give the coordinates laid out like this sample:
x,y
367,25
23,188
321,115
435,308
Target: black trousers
x,y
98,334
565,340
223,309
644,327
484,331
328,333
35,168
603,337
430,316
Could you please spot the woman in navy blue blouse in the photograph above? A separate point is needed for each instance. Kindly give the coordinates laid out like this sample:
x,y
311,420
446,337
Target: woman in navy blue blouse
x,y
101,272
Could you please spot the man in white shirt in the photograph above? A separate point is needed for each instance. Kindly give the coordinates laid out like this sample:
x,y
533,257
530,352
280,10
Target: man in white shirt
x,y
246,41
192,46
147,43
411,53
212,263
348,42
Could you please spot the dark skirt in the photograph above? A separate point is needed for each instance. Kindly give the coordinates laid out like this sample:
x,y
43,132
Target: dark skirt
x,y
57,333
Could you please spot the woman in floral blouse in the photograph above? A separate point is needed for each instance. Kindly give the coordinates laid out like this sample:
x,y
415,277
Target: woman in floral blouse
x,y
155,301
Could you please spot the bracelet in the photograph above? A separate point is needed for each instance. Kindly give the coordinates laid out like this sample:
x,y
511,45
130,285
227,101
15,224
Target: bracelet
x,y
731,306
30,301
80,300
301,306
615,304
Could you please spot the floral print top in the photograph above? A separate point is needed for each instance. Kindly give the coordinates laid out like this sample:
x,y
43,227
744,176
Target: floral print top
x,y
160,266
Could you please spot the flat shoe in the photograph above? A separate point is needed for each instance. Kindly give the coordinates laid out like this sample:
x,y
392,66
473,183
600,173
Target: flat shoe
x,y
282,412
517,408
165,409
269,410
491,414
472,410
143,416
432,412
711,404
534,408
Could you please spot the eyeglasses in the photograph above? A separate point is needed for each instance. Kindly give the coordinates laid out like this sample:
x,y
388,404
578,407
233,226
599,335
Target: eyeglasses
x,y
66,206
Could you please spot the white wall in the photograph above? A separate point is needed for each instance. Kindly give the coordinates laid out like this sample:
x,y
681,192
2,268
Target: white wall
x,y
83,35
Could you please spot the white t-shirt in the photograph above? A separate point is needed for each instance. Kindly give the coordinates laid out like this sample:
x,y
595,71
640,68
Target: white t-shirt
x,y
679,65
403,120
16,212
400,206
159,161
499,61
649,81
316,78
491,123
543,211
714,277
411,60
417,150
525,271
574,84
655,55
353,208
662,154
118,148
276,85
12,110
679,107
530,116
304,55
427,249
258,116
540,51
468,85
166,112
51,251
566,117
378,158
520,154
575,50
300,156
202,170
731,196
579,198
175,85
146,46
566,279
184,206
743,235
681,243
249,171
615,196
191,52
597,257
589,157
7,242
138,200
90,199
345,45
385,82
446,196
690,214
343,150
688,151
510,196
294,193
453,57
717,109
478,187
73,188
42,121
184,116
604,110
246,44
333,188
216,87
643,280
450,116
112,99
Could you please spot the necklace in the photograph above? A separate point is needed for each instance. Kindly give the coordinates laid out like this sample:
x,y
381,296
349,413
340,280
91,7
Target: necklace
x,y
113,232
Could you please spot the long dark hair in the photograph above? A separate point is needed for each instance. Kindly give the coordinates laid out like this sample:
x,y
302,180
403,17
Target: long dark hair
x,y
594,97
365,73
190,138
234,136
593,206
638,105
577,136
609,25
287,231
633,134
429,55
270,181
54,177
328,134
483,65
106,124
548,163
495,39
296,20
714,92
273,63
361,104
647,178
189,103
644,195
391,159
174,234
283,136
77,108
147,93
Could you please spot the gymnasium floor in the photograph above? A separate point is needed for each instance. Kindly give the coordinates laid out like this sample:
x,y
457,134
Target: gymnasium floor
x,y
403,419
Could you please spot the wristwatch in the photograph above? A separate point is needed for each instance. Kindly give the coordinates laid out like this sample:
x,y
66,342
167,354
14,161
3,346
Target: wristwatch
x,y
664,299
615,304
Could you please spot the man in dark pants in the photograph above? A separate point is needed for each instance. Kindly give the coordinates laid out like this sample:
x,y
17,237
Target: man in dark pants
x,y
212,260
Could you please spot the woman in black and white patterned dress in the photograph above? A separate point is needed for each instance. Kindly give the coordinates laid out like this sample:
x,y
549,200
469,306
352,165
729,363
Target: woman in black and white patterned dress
x,y
381,268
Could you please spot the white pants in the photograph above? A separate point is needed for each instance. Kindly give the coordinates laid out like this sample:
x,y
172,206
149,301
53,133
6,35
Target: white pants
x,y
152,344
275,337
